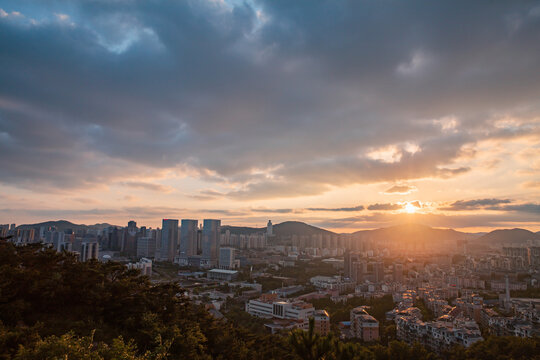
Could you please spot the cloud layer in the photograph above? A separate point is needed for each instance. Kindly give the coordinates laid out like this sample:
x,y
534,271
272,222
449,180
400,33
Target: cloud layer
x,y
264,100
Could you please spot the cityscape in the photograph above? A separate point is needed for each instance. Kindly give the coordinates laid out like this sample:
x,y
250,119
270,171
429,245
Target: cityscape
x,y
269,179
436,287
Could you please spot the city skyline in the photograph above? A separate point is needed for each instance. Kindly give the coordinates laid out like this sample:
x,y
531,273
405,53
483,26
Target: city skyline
x,y
347,117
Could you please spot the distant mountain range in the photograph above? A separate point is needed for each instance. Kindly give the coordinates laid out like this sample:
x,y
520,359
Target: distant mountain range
x,y
286,228
413,231
62,225
393,233
508,236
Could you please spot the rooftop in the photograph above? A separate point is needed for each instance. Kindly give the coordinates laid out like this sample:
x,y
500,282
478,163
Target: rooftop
x,y
223,271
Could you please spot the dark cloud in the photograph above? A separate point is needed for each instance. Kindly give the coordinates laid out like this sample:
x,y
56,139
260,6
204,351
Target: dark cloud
x,y
277,211
305,90
385,219
493,204
474,204
385,207
527,208
344,209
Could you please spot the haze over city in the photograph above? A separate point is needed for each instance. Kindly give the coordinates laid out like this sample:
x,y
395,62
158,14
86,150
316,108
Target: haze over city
x,y
347,115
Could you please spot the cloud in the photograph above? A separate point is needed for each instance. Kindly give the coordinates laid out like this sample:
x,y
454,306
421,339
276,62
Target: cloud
x,y
386,219
474,204
493,204
532,184
528,208
140,87
82,200
385,207
278,211
344,209
401,189
148,186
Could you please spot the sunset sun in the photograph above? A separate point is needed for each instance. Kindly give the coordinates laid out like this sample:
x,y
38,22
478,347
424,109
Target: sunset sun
x,y
410,208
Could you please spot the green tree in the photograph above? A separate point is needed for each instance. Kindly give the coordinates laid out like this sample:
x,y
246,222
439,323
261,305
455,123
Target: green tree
x,y
310,346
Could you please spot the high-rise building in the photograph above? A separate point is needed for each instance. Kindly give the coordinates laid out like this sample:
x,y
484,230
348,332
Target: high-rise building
x,y
169,240
349,258
269,228
210,242
55,238
226,258
146,247
398,273
188,238
132,227
89,250
379,271
25,236
4,229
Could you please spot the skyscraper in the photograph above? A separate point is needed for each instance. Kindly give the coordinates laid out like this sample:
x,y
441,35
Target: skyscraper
x,y
398,273
269,228
210,242
379,271
226,258
146,247
132,227
89,250
169,240
188,238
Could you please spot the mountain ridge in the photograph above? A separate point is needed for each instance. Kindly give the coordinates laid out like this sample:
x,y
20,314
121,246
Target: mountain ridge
x,y
395,232
63,225
508,236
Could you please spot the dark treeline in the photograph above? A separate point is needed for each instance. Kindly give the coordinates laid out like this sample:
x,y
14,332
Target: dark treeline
x,y
54,307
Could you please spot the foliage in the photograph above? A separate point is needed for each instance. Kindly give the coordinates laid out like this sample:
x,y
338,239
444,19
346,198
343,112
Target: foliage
x,y
309,346
529,293
499,348
54,307
427,314
50,302
341,312
269,283
235,313
303,271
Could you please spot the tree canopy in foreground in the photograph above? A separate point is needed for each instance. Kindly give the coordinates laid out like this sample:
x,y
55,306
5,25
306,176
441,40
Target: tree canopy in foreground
x,y
54,307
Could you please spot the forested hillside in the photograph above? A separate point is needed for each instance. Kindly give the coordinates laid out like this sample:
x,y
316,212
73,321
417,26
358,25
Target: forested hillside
x,y
54,307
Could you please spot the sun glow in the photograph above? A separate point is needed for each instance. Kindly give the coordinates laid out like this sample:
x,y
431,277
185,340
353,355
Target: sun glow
x,y
410,208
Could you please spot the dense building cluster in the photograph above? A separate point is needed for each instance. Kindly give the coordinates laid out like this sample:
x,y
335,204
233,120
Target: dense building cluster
x,y
444,295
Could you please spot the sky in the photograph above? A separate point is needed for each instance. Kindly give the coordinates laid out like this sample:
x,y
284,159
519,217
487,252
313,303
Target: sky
x,y
347,115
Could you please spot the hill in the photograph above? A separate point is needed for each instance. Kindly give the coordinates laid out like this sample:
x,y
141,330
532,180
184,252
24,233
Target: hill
x,y
242,229
62,225
412,231
508,236
287,228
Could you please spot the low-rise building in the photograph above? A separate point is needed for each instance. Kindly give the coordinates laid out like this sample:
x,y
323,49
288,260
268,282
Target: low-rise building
x,y
501,285
332,283
144,266
437,335
363,325
321,321
272,307
222,274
